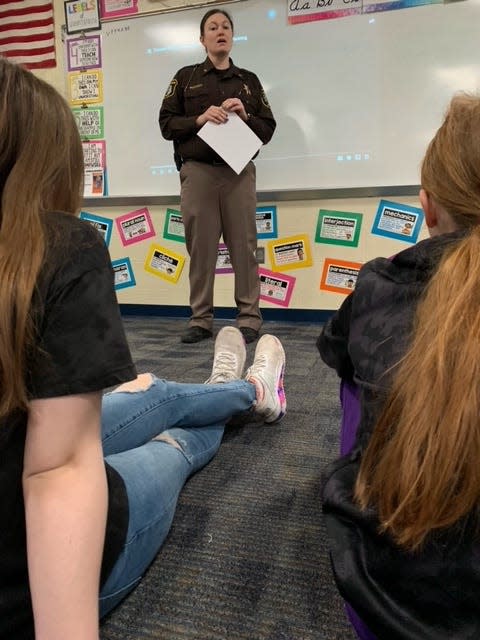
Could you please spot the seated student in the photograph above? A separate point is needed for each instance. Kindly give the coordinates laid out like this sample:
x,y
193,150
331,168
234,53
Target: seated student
x,y
88,486
402,506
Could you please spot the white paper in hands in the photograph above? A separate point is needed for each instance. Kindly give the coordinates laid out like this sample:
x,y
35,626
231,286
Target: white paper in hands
x,y
234,141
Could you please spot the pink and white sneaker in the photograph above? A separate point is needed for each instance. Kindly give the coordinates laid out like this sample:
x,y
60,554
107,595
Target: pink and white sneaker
x,y
267,373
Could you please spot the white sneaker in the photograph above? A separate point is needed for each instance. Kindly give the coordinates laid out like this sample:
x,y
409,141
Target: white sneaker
x,y
266,373
229,358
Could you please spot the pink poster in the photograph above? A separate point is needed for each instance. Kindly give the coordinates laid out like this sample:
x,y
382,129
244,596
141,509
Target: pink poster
x,y
135,226
115,8
276,288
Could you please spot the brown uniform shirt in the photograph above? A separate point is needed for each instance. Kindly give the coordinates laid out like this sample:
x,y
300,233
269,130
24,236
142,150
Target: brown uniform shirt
x,y
197,87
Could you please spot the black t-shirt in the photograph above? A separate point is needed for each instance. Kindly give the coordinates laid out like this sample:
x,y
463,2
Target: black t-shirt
x,y
81,348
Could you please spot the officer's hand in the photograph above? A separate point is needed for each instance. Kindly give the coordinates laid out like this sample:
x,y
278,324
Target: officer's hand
x,y
212,114
236,105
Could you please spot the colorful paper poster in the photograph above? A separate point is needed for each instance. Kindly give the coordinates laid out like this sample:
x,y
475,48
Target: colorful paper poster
x,y
338,227
94,183
102,225
173,228
94,156
397,221
115,8
135,226
89,122
276,288
290,253
85,87
266,218
371,6
299,11
224,264
163,263
81,15
84,53
339,276
123,272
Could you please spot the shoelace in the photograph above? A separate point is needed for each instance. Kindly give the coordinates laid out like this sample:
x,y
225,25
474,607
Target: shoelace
x,y
259,365
225,367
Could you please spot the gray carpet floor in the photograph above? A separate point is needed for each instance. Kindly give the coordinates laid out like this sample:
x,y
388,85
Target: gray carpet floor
x,y
246,557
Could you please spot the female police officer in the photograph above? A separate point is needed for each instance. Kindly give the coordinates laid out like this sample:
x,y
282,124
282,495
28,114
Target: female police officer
x,y
214,199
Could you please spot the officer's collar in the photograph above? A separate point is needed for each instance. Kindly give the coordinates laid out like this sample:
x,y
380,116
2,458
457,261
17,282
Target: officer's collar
x,y
231,71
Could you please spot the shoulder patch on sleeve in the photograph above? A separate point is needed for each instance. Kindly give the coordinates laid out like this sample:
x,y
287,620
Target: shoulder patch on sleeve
x,y
172,87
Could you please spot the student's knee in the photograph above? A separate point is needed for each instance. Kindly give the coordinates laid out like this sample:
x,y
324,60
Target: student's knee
x,y
166,437
141,383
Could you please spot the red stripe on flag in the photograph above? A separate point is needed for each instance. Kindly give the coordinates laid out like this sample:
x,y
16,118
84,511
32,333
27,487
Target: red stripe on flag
x,y
45,64
25,11
24,38
25,26
22,53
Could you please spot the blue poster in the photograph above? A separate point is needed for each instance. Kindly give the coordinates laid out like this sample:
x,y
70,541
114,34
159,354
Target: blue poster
x,y
124,277
397,221
102,225
267,222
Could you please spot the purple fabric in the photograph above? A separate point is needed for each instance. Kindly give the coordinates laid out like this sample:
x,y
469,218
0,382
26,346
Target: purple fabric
x,y
350,401
357,623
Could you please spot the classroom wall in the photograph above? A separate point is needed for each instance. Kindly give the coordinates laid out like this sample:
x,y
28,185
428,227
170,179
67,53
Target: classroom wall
x,y
294,218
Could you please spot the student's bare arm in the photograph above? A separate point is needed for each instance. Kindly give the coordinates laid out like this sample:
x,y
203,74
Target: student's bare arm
x,y
65,492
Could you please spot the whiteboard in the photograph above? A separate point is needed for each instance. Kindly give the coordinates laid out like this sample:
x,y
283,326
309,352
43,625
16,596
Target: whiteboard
x,y
356,99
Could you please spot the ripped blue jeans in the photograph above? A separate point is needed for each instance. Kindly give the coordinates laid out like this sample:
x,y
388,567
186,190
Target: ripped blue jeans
x,y
156,434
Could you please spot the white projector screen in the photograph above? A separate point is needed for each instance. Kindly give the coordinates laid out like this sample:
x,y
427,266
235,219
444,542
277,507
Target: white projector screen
x,y
356,99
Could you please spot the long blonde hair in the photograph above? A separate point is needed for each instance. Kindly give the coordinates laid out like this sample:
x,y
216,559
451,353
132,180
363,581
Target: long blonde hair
x,y
421,468
41,170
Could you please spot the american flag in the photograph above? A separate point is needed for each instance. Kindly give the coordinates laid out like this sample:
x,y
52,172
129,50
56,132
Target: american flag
x,y
27,32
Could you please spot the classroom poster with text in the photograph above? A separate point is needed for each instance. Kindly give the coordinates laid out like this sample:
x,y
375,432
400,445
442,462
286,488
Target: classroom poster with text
x,y
118,8
94,159
94,183
397,221
266,220
135,226
102,225
224,263
276,288
299,11
90,122
84,53
338,227
290,253
94,156
80,16
339,276
163,263
85,87
123,272
373,6
173,228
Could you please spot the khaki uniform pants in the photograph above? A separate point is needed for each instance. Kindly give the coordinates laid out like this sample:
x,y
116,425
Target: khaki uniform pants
x,y
216,201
